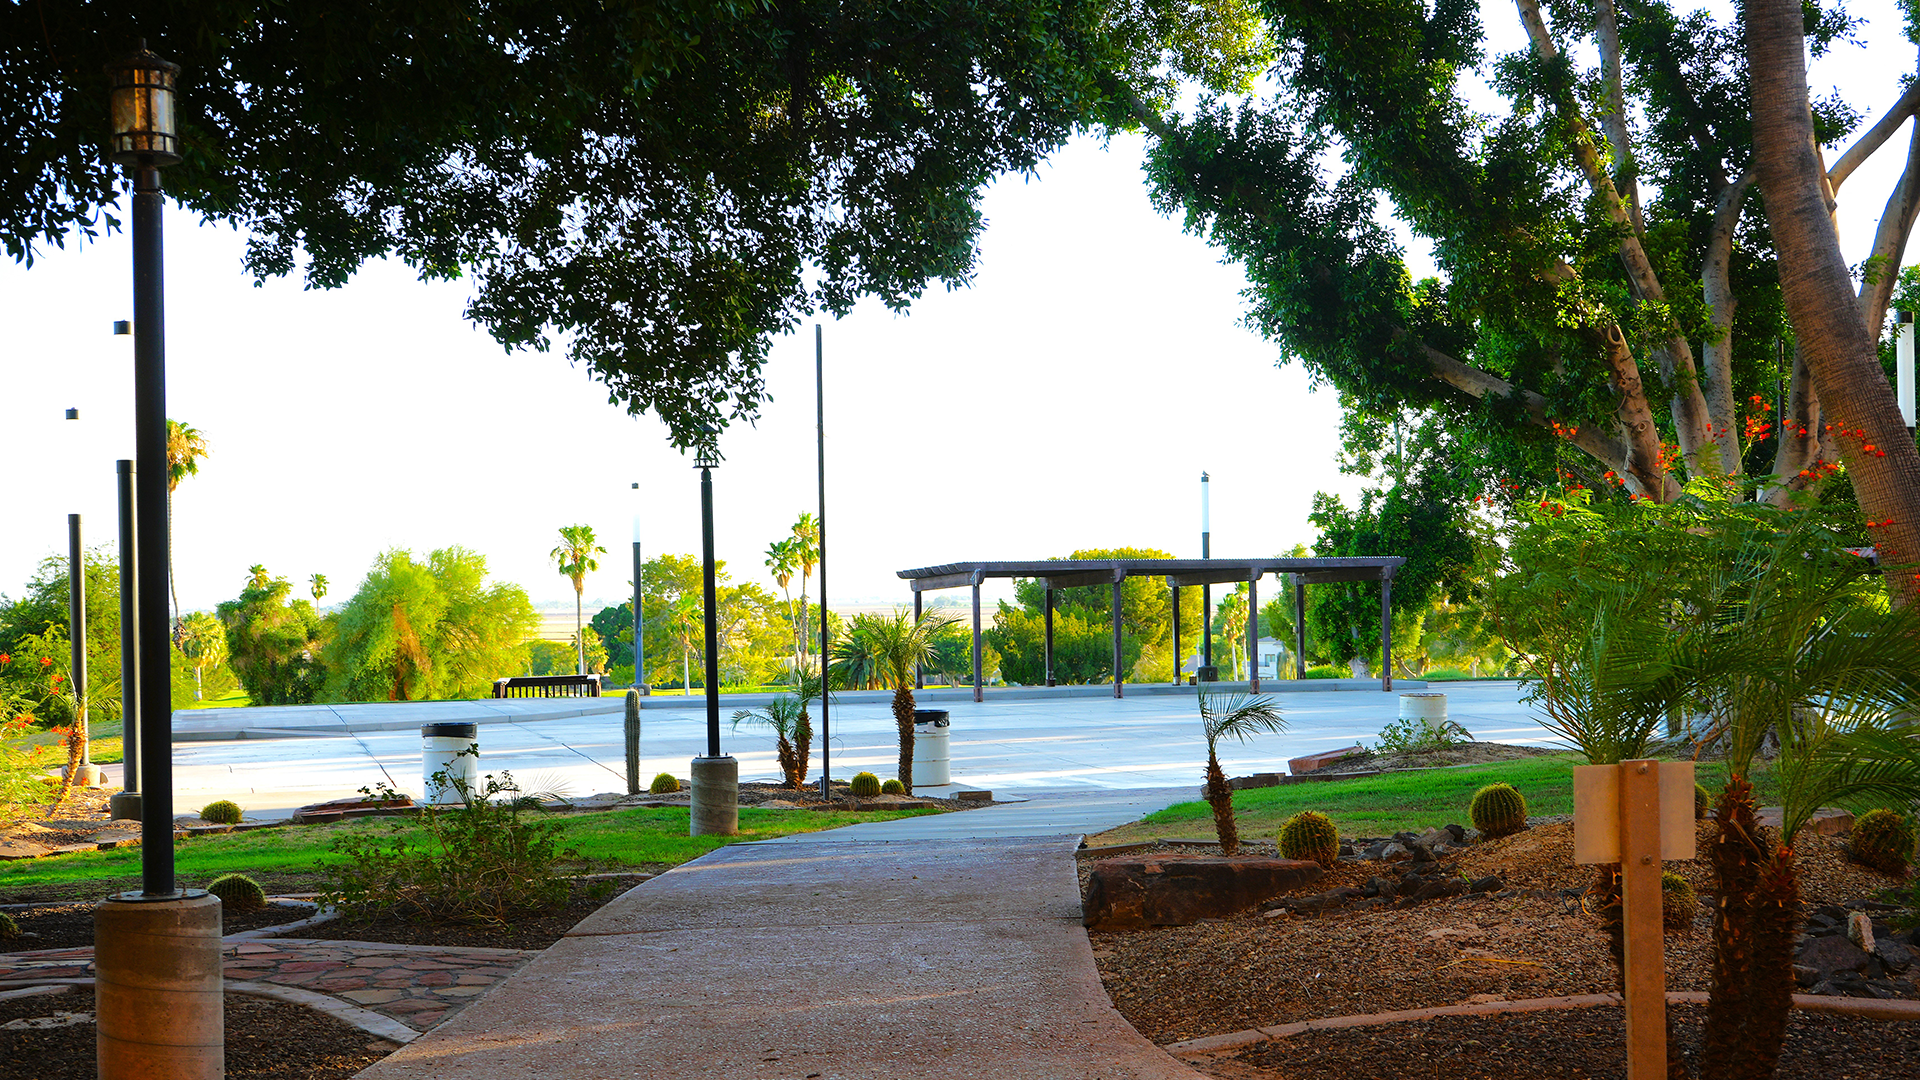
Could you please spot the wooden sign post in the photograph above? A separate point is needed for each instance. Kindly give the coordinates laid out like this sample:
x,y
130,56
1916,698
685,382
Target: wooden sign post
x,y
1638,814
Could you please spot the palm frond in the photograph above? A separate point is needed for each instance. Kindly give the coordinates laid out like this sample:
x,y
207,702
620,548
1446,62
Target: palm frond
x,y
1237,715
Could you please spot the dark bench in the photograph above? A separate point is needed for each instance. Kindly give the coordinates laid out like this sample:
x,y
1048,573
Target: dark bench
x,y
548,686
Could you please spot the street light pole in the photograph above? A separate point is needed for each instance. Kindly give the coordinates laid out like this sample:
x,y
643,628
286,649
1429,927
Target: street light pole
x,y
639,621
157,967
715,798
86,773
1206,591
126,803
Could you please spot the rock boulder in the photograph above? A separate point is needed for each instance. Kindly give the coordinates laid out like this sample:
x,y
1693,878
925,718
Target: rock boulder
x,y
1129,894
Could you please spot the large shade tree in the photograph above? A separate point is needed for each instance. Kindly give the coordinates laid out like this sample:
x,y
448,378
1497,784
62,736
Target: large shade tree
x,y
1609,299
660,187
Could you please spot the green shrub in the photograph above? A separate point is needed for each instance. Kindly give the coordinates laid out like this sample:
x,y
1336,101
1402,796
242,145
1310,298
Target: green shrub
x,y
1883,839
223,812
1498,810
664,784
1310,835
893,787
480,861
1677,902
863,785
1411,736
8,928
238,892
23,778
1702,802
1327,671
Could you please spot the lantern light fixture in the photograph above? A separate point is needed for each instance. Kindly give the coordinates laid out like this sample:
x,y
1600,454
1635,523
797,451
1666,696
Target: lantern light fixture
x,y
142,105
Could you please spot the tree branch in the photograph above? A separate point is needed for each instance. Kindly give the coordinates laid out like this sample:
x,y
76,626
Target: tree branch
x,y
1876,136
1890,241
1614,121
1688,106
1690,415
1717,285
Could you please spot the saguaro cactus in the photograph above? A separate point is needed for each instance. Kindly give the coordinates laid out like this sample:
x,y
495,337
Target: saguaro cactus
x,y
633,742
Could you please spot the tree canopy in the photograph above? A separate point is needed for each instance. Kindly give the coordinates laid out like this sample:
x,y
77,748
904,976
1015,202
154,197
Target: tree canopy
x,y
422,631
660,186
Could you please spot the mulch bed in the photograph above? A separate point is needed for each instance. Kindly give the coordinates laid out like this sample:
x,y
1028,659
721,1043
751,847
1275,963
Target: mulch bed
x,y
1584,1043
265,1040
67,926
526,932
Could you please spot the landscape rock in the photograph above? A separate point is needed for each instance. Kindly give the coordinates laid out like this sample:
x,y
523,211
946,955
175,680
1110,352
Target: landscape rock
x,y
1485,884
1827,821
1128,894
1897,957
1828,956
1860,931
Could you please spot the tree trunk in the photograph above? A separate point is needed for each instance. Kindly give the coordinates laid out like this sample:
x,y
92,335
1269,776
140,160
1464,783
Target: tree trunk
x,y
1614,120
1717,286
1796,459
1220,798
1869,435
903,719
172,589
1890,242
803,746
579,634
1726,1049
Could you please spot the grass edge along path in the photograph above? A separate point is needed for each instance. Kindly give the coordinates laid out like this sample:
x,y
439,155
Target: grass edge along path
x,y
1410,800
639,836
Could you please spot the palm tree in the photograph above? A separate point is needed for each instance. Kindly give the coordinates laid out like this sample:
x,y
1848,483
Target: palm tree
x,y
318,584
575,559
806,536
893,647
786,715
1237,716
203,640
685,621
783,560
185,448
257,576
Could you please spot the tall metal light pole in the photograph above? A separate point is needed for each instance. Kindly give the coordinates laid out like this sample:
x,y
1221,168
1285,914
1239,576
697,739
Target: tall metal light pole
x,y
639,621
1207,671
715,808
87,774
157,977
126,803
820,434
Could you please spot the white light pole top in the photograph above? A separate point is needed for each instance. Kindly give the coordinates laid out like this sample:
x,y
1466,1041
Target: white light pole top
x,y
636,513
1205,507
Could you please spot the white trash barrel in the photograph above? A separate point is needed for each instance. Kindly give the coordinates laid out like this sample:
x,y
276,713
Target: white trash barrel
x,y
1429,709
931,766
441,750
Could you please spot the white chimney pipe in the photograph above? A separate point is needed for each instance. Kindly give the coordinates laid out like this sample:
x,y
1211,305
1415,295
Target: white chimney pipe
x,y
1903,367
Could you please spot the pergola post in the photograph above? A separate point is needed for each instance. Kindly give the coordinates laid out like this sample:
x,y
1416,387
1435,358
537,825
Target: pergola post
x,y
977,695
1253,632
1386,629
1118,576
919,670
1050,681
1299,626
1176,630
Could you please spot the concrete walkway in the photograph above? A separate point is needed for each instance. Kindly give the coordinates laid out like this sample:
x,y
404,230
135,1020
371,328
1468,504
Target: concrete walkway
x,y
833,960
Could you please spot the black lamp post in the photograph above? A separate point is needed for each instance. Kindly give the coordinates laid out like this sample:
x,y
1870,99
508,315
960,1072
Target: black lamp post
x,y
157,968
715,797
639,622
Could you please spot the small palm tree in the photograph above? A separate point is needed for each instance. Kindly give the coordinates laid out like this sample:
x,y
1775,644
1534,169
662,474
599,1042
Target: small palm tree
x,y
786,716
575,560
806,540
257,576
203,640
783,560
684,624
1236,716
185,448
318,584
894,646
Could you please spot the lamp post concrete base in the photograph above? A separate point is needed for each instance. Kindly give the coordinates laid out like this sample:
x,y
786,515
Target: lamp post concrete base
x,y
124,806
715,809
86,776
157,987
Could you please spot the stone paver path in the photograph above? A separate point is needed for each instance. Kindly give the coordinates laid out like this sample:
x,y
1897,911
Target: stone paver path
x,y
416,985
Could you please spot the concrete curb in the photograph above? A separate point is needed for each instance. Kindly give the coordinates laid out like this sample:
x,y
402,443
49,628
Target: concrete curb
x,y
34,991
324,915
1868,1008
370,1022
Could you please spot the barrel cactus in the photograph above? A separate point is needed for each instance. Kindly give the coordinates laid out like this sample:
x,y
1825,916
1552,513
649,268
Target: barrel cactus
x,y
1310,835
238,892
224,812
8,928
1677,902
893,787
664,784
864,785
1498,810
1883,839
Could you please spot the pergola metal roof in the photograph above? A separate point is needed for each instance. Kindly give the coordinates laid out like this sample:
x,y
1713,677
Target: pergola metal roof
x,y
1055,574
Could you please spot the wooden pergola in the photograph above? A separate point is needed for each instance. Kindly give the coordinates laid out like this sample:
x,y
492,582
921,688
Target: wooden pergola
x,y
1071,573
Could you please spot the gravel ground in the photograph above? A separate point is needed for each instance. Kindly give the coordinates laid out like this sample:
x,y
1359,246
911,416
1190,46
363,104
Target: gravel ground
x,y
265,1040
1582,1043
1257,969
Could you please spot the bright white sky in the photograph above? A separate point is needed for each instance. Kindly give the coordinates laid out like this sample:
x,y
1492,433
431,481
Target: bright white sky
x,y
1069,398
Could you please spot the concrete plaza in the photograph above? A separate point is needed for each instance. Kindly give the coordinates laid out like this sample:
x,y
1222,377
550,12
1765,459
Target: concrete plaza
x,y
1029,742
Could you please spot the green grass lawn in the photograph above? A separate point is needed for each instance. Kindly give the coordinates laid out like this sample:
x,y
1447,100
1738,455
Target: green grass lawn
x,y
1394,802
235,698
103,743
293,858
